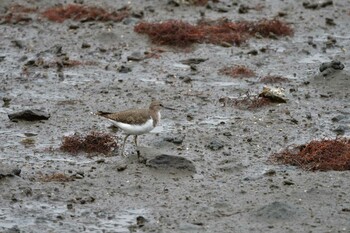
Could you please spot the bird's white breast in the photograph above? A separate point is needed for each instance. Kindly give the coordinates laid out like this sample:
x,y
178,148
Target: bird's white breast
x,y
135,129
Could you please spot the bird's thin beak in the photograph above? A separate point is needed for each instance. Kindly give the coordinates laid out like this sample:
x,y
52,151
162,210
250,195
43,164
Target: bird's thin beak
x,y
168,107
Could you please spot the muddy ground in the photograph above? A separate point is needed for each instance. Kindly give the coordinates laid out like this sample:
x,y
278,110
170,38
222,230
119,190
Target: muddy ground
x,y
233,188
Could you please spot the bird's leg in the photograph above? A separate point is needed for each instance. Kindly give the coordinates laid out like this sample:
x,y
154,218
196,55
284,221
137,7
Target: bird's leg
x,y
135,140
126,137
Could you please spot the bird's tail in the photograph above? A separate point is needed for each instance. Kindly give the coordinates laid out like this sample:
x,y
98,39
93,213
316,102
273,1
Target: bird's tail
x,y
100,113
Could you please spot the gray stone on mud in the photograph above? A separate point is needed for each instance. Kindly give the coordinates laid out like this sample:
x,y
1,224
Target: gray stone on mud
x,y
6,171
29,115
215,145
176,139
336,65
136,56
277,211
162,161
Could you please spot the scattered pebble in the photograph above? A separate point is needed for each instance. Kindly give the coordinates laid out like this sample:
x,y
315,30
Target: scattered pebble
x,y
215,145
136,56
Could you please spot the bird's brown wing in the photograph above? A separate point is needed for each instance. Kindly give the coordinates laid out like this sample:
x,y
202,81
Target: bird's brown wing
x,y
133,116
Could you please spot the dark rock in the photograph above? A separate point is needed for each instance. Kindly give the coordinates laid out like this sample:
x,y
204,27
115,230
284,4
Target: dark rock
x,y
6,101
194,61
253,52
85,45
243,9
215,145
330,22
140,221
314,6
29,115
270,172
339,118
137,14
73,27
176,139
136,56
18,44
121,167
185,79
288,182
341,129
6,171
124,69
336,65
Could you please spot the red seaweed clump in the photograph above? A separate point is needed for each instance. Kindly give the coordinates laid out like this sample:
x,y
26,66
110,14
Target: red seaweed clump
x,y
56,177
94,142
84,13
322,155
237,71
222,31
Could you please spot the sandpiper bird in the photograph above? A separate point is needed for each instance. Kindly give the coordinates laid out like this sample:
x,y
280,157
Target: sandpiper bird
x,y
135,121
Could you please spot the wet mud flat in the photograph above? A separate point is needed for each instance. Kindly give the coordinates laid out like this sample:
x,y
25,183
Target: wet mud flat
x,y
206,167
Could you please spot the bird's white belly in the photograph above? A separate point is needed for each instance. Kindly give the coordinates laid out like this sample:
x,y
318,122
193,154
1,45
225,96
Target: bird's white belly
x,y
135,129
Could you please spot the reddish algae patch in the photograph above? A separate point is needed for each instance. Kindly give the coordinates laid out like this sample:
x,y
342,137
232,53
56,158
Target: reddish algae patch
x,y
93,142
222,31
323,155
80,12
237,71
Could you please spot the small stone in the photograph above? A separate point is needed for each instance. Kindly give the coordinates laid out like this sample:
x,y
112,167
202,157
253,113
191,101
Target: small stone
x,y
192,61
29,115
124,69
288,182
140,221
78,176
227,134
243,9
136,56
253,52
336,65
18,44
137,14
73,27
330,22
270,172
121,167
6,101
185,79
85,46
176,139
215,145
69,206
